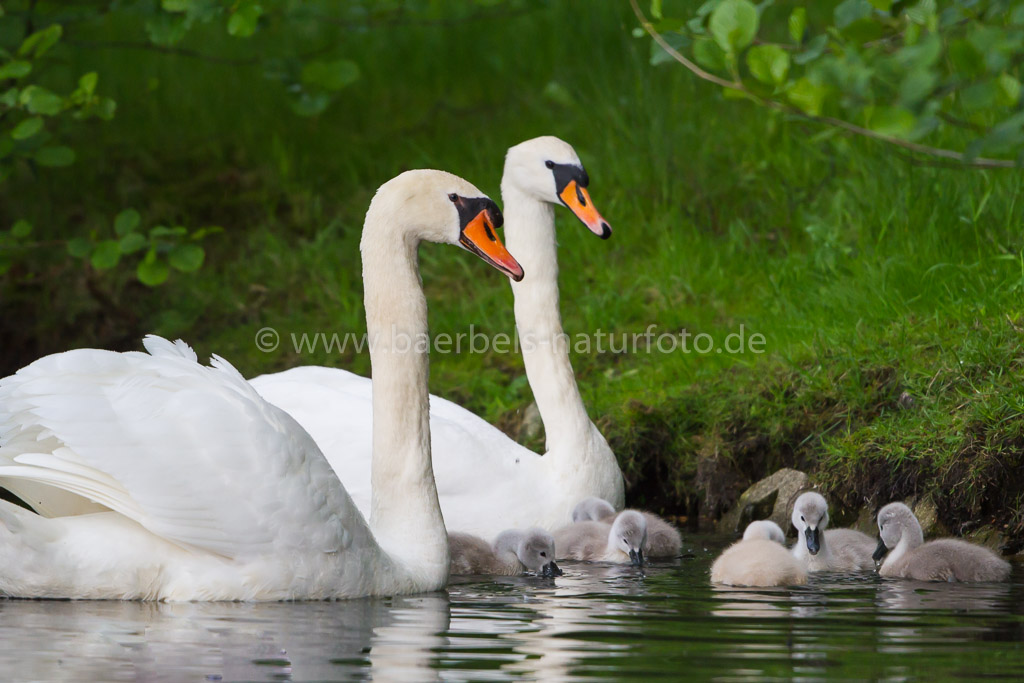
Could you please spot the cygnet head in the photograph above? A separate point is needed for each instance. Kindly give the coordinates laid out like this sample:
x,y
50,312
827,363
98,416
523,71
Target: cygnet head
x,y
548,169
436,206
537,552
810,517
895,520
594,509
629,534
764,529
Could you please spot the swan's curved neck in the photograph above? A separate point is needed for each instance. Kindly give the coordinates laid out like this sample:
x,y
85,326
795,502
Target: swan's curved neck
x,y
530,235
405,516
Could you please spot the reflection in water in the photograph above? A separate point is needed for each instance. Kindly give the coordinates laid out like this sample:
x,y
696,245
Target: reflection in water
x,y
597,621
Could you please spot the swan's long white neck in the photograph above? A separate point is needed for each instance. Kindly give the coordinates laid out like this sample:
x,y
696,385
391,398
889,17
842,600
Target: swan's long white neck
x,y
530,235
405,515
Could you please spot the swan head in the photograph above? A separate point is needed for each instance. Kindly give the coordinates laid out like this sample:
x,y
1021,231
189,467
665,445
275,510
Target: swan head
x,y
629,534
536,551
435,206
764,529
594,509
810,517
893,521
549,170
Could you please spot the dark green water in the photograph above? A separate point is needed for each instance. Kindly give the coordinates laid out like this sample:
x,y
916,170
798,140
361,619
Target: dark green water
x,y
596,622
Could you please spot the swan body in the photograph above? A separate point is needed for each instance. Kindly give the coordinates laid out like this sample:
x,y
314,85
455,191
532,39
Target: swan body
x,y
759,559
514,552
946,559
663,539
486,481
623,540
208,491
831,550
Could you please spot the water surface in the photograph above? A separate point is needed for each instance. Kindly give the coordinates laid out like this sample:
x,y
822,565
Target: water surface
x,y
596,622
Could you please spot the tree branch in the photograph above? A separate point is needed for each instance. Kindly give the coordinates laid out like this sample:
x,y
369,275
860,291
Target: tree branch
x,y
977,162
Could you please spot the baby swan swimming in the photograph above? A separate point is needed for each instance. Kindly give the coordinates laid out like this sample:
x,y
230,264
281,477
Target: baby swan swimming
x,y
946,559
623,540
760,559
832,550
513,552
663,539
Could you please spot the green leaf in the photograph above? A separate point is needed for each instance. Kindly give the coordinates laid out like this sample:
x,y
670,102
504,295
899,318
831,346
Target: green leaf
x,y
768,63
917,85
1010,88
9,98
79,247
967,61
88,82
166,29
330,76
733,24
798,24
106,255
39,100
152,270
41,41
980,96
883,5
815,48
559,94
15,69
656,9
126,221
27,128
133,242
244,19
187,258
206,231
807,96
54,156
164,231
895,122
21,229
707,53
849,11
176,5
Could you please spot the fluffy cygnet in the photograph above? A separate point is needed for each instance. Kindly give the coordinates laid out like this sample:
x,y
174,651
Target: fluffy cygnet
x,y
946,559
832,550
513,552
663,539
760,559
622,540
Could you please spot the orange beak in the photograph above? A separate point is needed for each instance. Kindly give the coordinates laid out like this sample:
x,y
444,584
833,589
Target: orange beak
x,y
578,200
480,237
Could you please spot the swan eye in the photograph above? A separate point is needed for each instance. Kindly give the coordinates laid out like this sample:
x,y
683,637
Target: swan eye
x,y
543,554
802,518
454,197
549,164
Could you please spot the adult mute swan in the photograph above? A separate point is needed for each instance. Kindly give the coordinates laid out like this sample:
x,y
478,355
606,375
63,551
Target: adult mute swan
x,y
212,492
945,559
486,481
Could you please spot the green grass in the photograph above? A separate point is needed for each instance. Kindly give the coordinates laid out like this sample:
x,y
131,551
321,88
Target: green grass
x,y
869,276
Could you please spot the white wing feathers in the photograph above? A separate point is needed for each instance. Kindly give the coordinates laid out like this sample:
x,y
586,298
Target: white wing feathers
x,y
192,453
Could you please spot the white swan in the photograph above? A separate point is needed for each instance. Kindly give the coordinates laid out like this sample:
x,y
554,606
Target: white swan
x,y
514,551
759,559
486,481
945,559
831,550
212,492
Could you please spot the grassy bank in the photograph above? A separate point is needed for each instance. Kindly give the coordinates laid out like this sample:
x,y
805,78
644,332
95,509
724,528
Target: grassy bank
x,y
888,293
